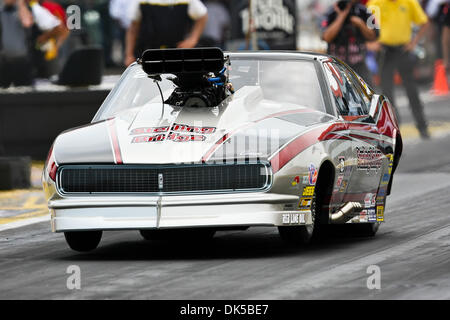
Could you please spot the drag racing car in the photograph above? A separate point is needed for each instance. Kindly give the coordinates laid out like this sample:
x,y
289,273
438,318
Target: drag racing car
x,y
192,141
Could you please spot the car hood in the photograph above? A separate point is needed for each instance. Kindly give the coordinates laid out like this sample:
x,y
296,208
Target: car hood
x,y
243,126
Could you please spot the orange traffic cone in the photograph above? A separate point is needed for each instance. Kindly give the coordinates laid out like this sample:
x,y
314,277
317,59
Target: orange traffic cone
x,y
440,85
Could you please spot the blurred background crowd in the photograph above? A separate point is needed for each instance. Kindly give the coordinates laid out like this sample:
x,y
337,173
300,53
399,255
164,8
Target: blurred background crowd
x,y
74,42
46,32
59,59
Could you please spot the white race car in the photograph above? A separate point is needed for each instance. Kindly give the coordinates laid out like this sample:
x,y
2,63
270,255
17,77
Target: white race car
x,y
191,141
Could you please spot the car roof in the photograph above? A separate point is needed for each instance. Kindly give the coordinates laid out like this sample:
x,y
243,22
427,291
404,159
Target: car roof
x,y
279,55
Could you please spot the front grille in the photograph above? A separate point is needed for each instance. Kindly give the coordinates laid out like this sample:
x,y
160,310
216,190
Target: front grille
x,y
73,179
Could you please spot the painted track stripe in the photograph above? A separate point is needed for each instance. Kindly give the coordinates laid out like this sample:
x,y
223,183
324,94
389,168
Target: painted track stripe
x,y
25,222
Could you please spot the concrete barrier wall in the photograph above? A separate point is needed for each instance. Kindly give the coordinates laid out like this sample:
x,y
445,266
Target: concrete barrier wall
x,y
29,122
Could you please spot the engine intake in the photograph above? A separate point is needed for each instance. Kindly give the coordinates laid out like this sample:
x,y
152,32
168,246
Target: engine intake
x,y
182,61
200,75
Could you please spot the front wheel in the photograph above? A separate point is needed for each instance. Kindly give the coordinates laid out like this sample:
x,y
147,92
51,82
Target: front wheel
x,y
83,241
300,235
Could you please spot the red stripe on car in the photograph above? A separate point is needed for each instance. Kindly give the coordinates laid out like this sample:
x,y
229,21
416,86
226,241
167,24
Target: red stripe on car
x,y
115,141
229,134
293,148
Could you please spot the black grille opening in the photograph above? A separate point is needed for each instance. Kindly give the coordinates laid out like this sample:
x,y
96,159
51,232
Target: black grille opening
x,y
163,179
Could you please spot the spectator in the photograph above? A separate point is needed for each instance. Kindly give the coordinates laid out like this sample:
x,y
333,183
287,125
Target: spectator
x,y
218,21
435,9
58,11
24,26
55,8
346,33
164,24
45,45
98,24
446,38
396,18
106,25
120,13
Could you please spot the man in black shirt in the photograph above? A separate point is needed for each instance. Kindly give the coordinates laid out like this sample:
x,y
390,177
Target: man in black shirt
x,y
346,32
164,24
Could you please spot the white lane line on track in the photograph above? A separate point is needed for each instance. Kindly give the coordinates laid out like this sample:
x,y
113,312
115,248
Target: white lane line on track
x,y
355,266
24,222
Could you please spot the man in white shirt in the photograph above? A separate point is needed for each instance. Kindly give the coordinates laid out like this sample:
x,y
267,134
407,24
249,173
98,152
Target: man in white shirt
x,y
218,22
164,24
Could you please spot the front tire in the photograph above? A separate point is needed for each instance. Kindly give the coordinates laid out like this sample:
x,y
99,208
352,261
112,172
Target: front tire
x,y
318,230
300,235
83,241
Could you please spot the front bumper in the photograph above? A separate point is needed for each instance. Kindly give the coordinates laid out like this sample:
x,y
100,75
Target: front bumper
x,y
180,211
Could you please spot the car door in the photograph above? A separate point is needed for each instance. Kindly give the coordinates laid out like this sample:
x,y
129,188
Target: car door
x,y
340,147
367,156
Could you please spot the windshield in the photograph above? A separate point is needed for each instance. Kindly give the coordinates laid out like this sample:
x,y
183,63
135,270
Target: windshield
x,y
284,81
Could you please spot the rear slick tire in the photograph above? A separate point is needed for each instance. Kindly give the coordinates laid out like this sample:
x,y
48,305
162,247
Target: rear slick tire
x,y
83,241
364,229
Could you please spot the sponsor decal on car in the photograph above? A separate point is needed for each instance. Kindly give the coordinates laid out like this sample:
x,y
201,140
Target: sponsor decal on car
x,y
380,213
339,182
295,181
343,187
175,128
382,192
363,216
308,191
341,165
369,158
305,203
391,162
293,218
385,179
175,133
372,216
312,175
380,200
170,137
305,180
370,200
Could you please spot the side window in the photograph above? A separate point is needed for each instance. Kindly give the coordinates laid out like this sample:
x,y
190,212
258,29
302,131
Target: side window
x,y
361,86
351,93
336,82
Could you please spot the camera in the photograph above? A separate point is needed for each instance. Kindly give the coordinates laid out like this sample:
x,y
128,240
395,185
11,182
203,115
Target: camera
x,y
342,5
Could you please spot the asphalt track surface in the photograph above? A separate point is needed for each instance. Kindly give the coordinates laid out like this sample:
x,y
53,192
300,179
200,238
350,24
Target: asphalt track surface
x,y
411,249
